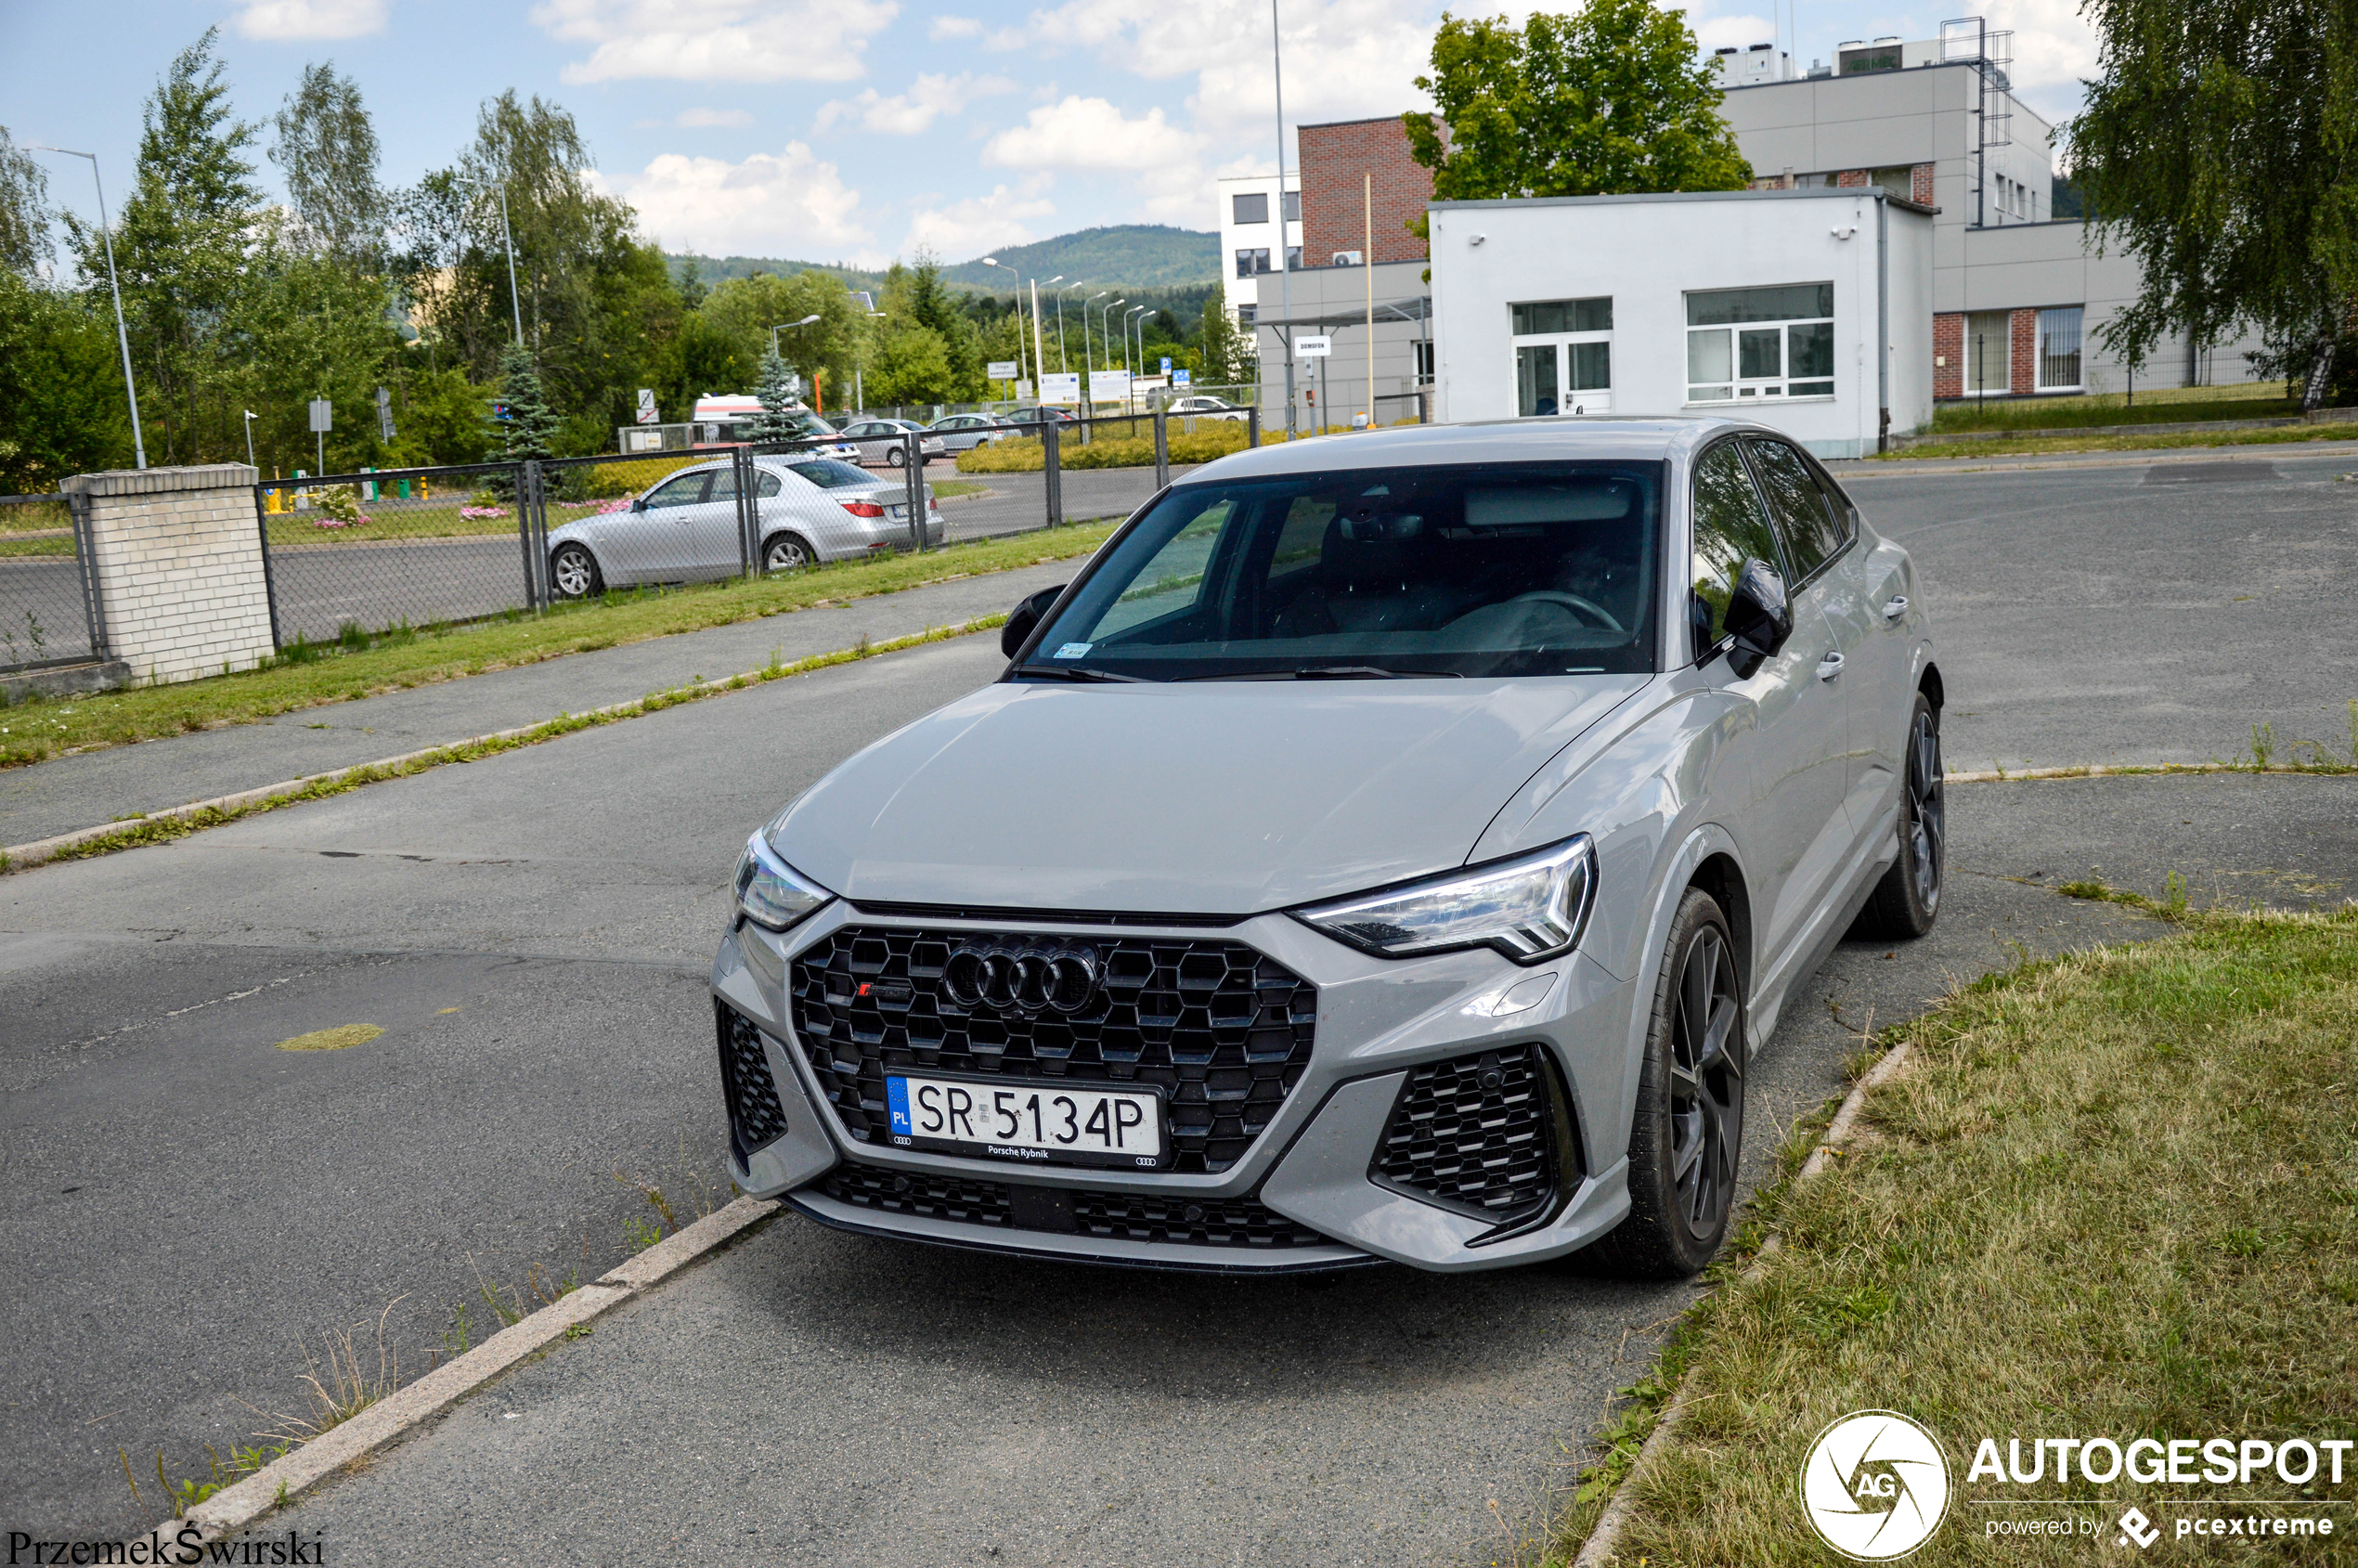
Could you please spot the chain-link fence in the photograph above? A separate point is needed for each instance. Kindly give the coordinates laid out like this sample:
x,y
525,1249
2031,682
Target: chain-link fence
x,y
49,613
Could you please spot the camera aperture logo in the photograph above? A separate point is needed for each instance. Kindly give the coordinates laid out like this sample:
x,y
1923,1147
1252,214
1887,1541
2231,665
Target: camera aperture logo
x,y
1875,1485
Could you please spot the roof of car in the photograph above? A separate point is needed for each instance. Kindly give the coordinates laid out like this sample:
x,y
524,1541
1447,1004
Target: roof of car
x,y
1613,438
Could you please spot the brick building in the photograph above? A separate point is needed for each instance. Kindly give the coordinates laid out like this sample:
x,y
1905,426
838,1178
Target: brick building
x,y
1339,162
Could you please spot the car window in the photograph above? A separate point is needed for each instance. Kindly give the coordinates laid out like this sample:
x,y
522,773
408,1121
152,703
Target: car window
x,y
1804,520
829,474
1732,527
686,489
1514,569
724,485
771,485
1845,515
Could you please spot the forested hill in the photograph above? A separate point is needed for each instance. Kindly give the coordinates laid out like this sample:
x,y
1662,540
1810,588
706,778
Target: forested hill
x,y
1144,255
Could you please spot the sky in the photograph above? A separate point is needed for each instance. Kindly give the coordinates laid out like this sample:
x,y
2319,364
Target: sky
x,y
856,130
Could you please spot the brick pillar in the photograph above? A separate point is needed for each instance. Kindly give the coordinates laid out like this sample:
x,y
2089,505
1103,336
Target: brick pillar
x,y
1948,355
2022,361
1920,185
177,555
1852,177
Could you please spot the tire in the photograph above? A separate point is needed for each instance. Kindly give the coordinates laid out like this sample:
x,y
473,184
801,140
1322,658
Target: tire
x,y
1906,900
896,458
573,573
787,552
1687,1143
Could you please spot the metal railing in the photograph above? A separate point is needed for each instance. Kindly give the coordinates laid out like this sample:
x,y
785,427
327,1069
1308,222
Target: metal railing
x,y
49,611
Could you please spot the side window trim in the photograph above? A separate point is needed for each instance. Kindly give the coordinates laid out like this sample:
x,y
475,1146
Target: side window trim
x,y
1703,655
1794,585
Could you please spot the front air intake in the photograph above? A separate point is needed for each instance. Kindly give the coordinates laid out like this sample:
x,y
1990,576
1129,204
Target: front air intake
x,y
1487,1134
755,1118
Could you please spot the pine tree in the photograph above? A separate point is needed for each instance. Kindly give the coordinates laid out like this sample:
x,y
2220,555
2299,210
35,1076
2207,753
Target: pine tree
x,y
531,424
776,421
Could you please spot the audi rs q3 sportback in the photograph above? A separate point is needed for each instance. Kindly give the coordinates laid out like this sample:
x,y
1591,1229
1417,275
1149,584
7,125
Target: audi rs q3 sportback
x,y
1387,846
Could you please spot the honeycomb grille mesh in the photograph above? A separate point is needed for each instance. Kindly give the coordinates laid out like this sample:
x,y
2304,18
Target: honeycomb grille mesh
x,y
1177,1220
1474,1134
1225,1030
754,1116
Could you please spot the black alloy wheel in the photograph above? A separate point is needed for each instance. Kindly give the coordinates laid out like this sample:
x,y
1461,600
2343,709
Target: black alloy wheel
x,y
1706,1087
1685,1142
573,573
1906,900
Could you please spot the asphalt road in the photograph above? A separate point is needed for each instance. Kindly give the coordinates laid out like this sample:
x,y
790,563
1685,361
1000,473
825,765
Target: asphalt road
x,y
187,1202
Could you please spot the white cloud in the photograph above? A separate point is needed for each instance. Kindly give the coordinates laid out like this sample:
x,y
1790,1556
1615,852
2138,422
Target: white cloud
x,y
1736,31
946,28
2054,49
912,112
1078,133
968,229
789,204
310,19
701,119
717,39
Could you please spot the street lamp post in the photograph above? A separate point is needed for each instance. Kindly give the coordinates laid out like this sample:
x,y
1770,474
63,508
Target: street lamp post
x,y
1062,364
122,336
1285,272
1085,354
1127,315
507,238
788,327
1016,279
250,463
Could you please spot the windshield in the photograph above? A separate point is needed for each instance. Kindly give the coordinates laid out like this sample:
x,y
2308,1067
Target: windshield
x,y
1501,570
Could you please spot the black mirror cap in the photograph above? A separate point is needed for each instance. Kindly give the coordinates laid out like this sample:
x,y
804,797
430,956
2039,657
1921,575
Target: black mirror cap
x,y
638,503
1024,618
1760,618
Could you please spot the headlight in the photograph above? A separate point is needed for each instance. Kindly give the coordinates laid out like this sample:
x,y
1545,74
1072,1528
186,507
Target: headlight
x,y
1531,908
772,894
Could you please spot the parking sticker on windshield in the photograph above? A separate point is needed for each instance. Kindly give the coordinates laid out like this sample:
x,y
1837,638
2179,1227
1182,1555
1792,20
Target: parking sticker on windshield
x,y
1075,649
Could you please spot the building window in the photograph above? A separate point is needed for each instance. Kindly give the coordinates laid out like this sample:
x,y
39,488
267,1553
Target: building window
x,y
1760,343
1247,315
1294,259
1900,182
1424,362
1564,356
1291,206
1252,262
2059,349
1250,206
1988,334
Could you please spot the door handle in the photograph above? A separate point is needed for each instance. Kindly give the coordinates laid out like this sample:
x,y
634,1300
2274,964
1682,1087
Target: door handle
x,y
1830,667
1895,606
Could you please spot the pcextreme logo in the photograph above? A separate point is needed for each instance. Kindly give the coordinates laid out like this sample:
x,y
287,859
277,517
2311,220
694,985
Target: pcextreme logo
x,y
1875,1485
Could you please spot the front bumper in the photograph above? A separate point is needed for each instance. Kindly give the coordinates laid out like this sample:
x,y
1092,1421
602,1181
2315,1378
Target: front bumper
x,y
1310,1186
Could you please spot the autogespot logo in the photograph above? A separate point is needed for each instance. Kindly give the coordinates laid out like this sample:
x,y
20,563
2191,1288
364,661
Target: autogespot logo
x,y
1875,1485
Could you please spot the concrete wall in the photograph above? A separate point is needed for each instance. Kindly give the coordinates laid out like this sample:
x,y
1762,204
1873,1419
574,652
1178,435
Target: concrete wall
x,y
1648,252
177,555
1338,296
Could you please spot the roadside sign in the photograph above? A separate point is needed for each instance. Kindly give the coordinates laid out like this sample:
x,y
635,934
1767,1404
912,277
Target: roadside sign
x,y
1313,346
385,416
322,415
1003,369
1166,364
1064,388
647,414
1108,386
1179,378
1023,390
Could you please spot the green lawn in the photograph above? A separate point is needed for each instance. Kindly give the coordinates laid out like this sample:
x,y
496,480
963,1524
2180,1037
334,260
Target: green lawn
x,y
2161,404
2033,445
306,676
2110,1195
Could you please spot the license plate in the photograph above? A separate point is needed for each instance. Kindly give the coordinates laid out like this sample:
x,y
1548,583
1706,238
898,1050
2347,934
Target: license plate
x,y
1060,1123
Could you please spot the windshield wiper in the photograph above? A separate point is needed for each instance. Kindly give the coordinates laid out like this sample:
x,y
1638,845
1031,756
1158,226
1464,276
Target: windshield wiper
x,y
1077,672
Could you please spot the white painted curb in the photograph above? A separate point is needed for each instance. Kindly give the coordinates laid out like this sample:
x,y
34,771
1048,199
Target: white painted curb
x,y
388,1421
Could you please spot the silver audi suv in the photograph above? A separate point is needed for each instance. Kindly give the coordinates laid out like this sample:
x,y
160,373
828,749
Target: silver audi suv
x,y
1387,846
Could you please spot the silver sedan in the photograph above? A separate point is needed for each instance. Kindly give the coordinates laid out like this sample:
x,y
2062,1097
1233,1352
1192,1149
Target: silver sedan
x,y
685,528
886,441
1394,848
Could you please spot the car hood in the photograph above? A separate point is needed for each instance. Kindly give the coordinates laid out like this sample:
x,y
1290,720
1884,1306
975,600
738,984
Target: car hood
x,y
1223,798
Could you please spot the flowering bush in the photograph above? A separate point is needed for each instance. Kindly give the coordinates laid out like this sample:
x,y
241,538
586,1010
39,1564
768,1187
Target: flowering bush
x,y
483,511
600,508
339,508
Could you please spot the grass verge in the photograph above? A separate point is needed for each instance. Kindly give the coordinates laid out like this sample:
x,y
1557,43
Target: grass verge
x,y
164,827
365,664
2053,446
2110,1195
2166,404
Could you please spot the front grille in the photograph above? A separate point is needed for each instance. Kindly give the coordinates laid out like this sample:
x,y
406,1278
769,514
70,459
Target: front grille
x,y
754,1116
1476,1134
1175,1219
1225,1030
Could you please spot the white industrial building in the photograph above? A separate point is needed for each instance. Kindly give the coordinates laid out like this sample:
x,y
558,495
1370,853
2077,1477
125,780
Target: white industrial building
x,y
1250,247
1809,310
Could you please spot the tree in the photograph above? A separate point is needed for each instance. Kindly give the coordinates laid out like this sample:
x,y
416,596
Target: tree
x,y
744,309
910,365
776,421
1224,351
61,403
1613,100
530,429
2219,147
24,209
326,150
181,252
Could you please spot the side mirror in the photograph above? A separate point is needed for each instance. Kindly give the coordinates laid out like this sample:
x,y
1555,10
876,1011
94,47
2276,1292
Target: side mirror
x,y
1759,617
638,503
1024,616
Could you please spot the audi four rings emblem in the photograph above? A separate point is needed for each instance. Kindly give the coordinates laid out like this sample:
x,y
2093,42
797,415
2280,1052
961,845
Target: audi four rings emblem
x,y
1021,978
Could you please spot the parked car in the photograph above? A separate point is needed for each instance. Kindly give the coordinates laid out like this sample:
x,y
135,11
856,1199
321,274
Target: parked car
x,y
685,528
816,427
1397,849
1203,406
964,432
1026,422
885,440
